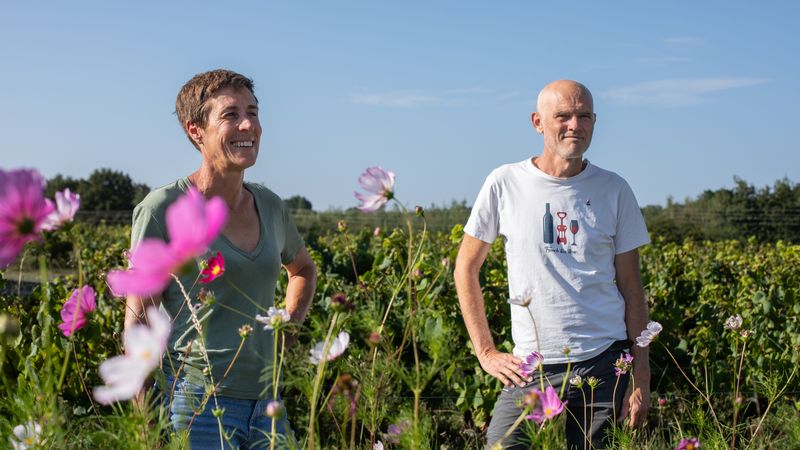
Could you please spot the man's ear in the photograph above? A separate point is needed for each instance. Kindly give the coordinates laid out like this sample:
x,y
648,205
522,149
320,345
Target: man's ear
x,y
536,120
194,132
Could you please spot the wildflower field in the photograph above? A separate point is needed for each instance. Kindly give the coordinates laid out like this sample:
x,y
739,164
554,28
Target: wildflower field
x,y
383,359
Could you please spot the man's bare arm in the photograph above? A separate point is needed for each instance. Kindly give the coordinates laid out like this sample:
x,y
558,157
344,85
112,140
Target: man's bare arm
x,y
629,283
503,366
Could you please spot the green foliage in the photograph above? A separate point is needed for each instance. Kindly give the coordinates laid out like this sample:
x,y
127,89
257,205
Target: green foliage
x,y
692,286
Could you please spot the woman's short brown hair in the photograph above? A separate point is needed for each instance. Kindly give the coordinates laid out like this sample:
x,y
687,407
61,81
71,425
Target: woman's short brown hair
x,y
191,104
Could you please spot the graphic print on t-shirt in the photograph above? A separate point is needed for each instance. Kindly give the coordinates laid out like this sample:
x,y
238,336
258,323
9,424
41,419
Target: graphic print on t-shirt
x,y
556,233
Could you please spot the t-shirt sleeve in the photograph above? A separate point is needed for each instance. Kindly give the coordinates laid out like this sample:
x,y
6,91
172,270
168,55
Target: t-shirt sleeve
x,y
146,224
483,222
292,241
631,229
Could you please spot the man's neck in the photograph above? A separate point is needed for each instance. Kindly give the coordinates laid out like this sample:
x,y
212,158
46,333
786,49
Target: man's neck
x,y
559,167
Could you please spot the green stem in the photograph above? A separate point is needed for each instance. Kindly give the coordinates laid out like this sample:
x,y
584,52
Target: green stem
x,y
736,395
318,382
64,366
702,394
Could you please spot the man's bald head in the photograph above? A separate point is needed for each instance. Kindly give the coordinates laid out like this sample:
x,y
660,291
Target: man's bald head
x,y
565,117
563,89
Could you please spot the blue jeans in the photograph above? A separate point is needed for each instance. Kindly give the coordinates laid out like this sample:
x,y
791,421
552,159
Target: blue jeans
x,y
244,423
599,415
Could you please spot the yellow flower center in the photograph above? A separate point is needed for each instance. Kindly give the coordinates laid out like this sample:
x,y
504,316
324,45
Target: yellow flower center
x,y
548,412
216,270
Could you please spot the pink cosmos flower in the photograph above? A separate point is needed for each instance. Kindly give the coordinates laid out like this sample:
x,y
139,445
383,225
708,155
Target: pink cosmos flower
x,y
379,184
337,347
215,267
548,406
23,211
530,364
688,444
192,225
395,431
73,313
623,364
125,375
67,204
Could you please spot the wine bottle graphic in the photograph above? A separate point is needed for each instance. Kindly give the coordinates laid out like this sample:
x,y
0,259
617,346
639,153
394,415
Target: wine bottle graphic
x,y
547,225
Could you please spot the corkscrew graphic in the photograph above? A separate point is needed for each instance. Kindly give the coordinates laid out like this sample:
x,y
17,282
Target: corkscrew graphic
x,y
561,228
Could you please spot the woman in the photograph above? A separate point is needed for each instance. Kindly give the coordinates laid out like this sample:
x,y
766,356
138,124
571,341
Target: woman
x,y
218,111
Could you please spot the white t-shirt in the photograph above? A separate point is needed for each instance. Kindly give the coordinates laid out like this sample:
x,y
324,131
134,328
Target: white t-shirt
x,y
565,263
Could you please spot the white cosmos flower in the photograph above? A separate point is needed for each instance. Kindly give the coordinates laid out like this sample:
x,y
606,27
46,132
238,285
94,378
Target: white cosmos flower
x,y
379,184
378,445
274,319
522,300
26,436
648,334
337,347
124,375
734,322
576,381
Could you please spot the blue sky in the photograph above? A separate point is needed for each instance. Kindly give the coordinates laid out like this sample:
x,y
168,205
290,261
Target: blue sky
x,y
688,94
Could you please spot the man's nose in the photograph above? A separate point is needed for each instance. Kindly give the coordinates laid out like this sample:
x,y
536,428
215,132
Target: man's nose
x,y
573,122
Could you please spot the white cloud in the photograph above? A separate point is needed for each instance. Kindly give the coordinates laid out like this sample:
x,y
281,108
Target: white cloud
x,y
676,92
663,60
683,40
398,99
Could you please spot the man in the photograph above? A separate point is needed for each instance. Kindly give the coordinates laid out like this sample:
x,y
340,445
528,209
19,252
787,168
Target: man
x,y
218,111
571,234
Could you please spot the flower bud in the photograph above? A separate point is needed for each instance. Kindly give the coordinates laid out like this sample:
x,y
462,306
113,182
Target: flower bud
x,y
340,303
245,330
341,226
9,327
274,409
374,339
662,402
418,210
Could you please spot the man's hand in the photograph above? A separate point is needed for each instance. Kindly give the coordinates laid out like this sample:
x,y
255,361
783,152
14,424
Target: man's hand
x,y
504,367
636,404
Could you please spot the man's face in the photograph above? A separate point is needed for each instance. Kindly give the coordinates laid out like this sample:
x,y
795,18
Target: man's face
x,y
566,120
230,138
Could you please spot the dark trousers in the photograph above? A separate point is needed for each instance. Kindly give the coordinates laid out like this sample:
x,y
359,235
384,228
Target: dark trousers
x,y
598,413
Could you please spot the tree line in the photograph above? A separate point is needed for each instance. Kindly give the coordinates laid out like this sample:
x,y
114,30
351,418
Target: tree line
x,y
768,214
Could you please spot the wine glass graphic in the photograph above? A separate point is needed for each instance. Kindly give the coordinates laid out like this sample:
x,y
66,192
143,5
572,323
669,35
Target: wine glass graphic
x,y
573,228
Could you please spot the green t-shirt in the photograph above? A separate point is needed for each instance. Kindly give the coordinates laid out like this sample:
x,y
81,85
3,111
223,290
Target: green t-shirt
x,y
245,289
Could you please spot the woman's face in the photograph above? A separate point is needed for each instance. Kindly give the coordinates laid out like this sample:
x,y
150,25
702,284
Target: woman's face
x,y
230,139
